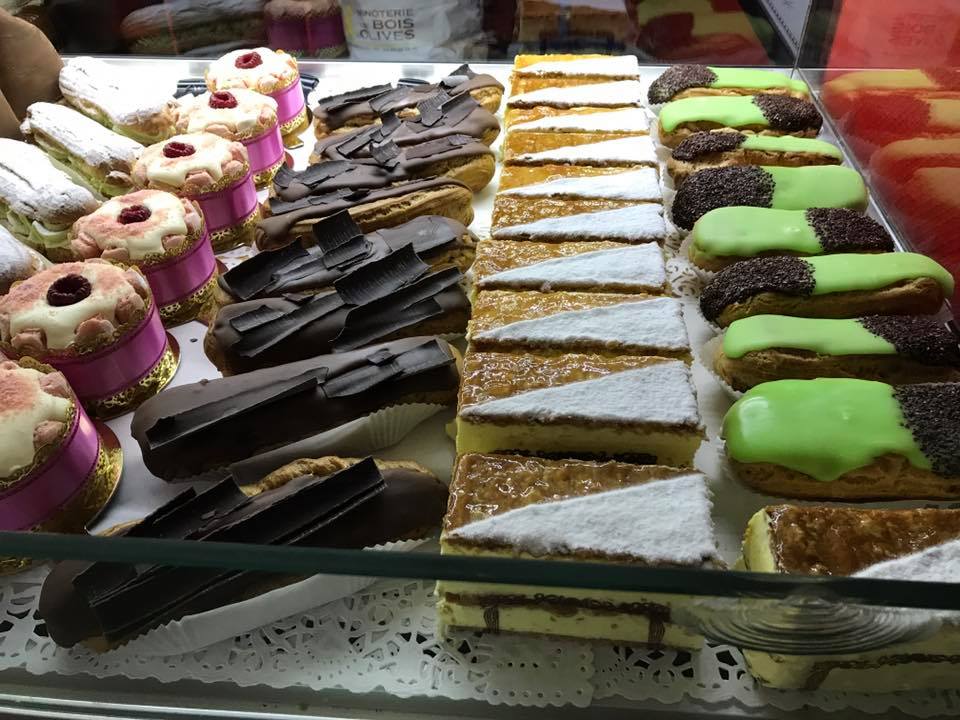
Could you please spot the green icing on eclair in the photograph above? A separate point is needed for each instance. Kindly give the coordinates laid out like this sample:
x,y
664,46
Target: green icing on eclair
x,y
746,231
834,186
826,337
871,271
824,428
754,79
734,111
790,144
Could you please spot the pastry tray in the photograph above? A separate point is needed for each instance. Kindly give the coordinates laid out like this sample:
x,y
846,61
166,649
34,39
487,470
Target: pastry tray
x,y
375,650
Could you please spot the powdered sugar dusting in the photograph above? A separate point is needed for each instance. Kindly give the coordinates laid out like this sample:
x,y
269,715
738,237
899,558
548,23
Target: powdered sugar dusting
x,y
125,98
618,121
641,185
637,149
637,223
82,137
940,563
610,66
610,94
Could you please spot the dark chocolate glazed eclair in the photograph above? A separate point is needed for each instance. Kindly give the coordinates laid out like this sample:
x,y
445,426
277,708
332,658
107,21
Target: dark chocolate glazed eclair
x,y
327,502
358,108
191,429
727,235
764,114
827,286
303,202
338,248
897,349
781,188
396,296
680,81
722,148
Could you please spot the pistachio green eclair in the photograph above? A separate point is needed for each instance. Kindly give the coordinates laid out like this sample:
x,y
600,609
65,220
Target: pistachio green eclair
x,y
691,80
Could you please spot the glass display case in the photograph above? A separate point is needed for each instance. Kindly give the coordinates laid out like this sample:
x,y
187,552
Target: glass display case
x,y
203,545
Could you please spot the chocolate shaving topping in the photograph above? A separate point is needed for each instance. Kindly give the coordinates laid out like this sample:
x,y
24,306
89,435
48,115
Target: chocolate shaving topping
x,y
458,108
677,79
311,177
845,230
381,277
743,280
389,124
712,188
254,319
279,207
429,356
386,153
706,143
920,338
787,113
458,76
430,108
357,140
931,412
335,102
259,338
412,82
438,146
335,231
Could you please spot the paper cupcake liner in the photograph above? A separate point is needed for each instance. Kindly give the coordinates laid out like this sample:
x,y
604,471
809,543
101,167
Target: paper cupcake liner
x,y
705,354
194,632
706,276
683,276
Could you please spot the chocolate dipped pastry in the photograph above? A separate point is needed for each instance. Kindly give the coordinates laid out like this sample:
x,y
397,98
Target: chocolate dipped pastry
x,y
396,296
29,71
919,545
562,510
365,106
682,81
727,235
338,248
827,286
837,438
722,149
303,199
895,349
327,502
764,114
460,157
191,429
439,116
780,188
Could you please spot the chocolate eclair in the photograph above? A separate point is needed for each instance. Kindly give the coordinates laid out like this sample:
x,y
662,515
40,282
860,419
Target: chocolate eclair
x,y
681,81
339,247
396,296
358,108
723,148
306,199
827,286
199,427
900,350
781,188
328,502
764,114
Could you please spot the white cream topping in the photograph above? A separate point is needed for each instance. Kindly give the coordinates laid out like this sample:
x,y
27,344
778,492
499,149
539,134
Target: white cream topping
x,y
940,563
637,223
82,137
627,120
121,94
611,94
242,119
660,394
212,152
34,188
16,440
59,323
638,326
610,66
638,521
224,74
637,149
642,185
143,238
637,267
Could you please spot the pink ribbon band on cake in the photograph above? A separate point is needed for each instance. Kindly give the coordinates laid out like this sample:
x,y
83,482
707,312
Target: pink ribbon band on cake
x,y
182,276
265,150
309,34
102,374
289,101
230,206
42,492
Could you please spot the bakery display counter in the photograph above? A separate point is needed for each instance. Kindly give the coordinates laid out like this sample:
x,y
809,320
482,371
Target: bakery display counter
x,y
538,563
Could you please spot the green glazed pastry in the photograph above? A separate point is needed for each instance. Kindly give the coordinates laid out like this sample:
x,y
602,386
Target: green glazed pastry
x,y
778,114
729,234
681,78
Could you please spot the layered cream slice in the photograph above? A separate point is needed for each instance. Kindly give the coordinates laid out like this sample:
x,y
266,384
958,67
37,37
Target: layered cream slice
x,y
915,545
579,203
524,507
584,405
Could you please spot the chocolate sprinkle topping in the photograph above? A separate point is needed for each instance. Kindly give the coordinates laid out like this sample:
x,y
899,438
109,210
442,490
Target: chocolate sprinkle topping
x,y
743,280
787,113
918,337
677,79
845,230
721,187
707,143
931,412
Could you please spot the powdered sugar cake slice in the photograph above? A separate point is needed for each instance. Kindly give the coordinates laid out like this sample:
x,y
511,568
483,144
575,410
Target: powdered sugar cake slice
x,y
631,224
612,267
629,120
610,66
632,150
580,322
575,405
620,93
642,185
